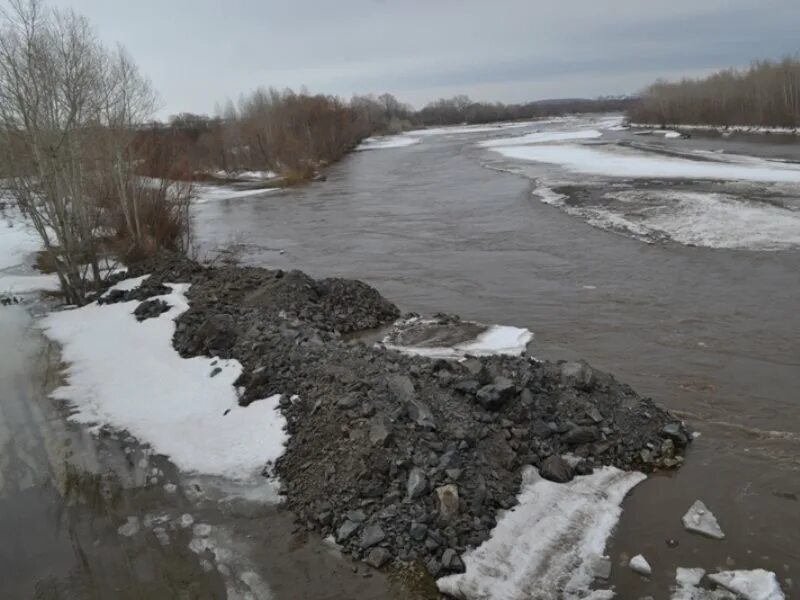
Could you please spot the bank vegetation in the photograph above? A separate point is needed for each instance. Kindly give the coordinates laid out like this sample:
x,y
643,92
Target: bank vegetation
x,y
766,94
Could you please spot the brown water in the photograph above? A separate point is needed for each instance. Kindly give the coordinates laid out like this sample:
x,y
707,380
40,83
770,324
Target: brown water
x,y
712,334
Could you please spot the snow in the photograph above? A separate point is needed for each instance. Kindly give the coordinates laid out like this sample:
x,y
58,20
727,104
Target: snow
x,y
548,541
127,374
17,240
389,141
497,339
728,128
640,565
710,220
542,136
246,175
617,162
466,129
757,584
26,284
700,520
213,193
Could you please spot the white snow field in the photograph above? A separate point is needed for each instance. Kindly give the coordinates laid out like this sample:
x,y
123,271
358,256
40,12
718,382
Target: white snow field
x,y
389,141
18,241
545,547
612,161
128,375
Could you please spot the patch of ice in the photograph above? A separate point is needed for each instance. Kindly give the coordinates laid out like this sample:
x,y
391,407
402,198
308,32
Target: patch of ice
x,y
215,193
497,339
757,584
466,129
708,220
700,520
618,162
127,374
246,175
547,541
389,141
17,240
548,196
540,137
687,582
130,528
24,284
640,565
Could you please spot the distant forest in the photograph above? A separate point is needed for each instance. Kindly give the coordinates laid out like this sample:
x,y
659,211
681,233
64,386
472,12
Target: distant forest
x,y
766,94
294,134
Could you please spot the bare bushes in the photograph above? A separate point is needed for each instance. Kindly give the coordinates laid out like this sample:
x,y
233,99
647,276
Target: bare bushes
x,y
766,94
69,111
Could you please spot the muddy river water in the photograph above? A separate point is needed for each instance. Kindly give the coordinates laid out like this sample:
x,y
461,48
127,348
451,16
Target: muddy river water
x,y
710,330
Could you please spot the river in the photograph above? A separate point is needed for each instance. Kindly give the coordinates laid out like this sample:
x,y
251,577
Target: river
x,y
711,332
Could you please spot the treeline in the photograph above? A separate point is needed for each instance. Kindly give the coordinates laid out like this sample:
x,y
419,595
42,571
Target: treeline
x,y
69,111
460,109
766,94
295,134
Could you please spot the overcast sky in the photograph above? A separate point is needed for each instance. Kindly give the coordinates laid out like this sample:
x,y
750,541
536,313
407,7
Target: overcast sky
x,y
199,52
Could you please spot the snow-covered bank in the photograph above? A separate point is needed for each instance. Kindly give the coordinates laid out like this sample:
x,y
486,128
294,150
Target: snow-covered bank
x,y
389,141
723,128
549,542
126,374
18,241
612,161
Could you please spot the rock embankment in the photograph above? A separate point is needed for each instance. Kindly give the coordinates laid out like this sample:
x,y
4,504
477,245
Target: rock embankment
x,y
403,458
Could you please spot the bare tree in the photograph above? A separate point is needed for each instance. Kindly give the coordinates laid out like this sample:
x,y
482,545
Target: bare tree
x,y
69,109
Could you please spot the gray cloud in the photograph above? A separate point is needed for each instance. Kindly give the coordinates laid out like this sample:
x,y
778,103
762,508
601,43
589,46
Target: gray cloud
x,y
199,52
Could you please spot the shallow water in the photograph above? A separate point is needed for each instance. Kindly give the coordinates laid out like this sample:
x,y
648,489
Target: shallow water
x,y
88,515
711,333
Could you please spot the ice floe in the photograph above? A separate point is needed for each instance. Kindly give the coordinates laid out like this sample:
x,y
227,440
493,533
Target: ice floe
x,y
213,193
612,161
757,584
700,520
640,565
548,541
454,339
389,141
466,129
128,375
542,136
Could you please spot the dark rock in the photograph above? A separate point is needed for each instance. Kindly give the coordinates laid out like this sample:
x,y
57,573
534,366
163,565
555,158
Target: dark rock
x,y
578,374
346,529
494,395
377,557
380,433
372,535
433,567
417,483
418,531
555,468
580,435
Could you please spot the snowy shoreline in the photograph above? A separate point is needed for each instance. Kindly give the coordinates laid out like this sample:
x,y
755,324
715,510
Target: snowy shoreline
x,y
756,129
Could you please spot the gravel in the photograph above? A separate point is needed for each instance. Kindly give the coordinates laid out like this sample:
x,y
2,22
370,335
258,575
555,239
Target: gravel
x,y
403,458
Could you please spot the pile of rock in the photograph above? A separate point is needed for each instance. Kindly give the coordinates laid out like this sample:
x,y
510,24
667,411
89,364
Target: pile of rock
x,y
405,458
